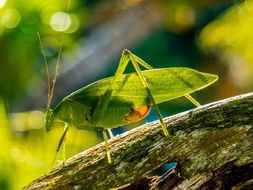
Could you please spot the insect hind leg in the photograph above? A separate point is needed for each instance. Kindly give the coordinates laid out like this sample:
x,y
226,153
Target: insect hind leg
x,y
103,103
107,146
147,66
192,100
135,60
110,133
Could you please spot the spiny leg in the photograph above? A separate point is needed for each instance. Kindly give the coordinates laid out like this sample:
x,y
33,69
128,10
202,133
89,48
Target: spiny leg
x,y
62,142
103,103
62,139
107,147
105,99
64,148
145,84
141,62
147,66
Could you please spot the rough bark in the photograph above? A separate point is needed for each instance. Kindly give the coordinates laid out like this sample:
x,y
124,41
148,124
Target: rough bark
x,y
212,146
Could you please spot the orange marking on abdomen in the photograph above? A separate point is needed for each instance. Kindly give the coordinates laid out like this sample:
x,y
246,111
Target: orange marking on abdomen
x,y
137,114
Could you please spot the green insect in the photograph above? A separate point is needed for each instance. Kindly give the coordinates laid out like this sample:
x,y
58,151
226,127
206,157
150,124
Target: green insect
x,y
125,98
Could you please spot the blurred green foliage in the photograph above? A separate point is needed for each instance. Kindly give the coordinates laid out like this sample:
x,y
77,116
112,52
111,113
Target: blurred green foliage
x,y
230,38
26,151
29,151
19,23
197,34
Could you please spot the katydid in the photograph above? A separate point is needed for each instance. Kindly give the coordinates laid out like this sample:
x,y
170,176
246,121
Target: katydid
x,y
125,98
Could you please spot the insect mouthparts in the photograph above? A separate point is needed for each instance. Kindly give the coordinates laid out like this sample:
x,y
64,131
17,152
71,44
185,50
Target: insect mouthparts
x,y
49,119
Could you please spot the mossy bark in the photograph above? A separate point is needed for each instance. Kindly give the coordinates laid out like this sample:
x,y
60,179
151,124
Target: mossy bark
x,y
212,145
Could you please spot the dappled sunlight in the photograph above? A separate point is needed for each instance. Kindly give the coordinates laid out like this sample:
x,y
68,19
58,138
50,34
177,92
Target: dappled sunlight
x,y
185,16
2,3
60,21
31,150
179,16
10,18
27,120
230,37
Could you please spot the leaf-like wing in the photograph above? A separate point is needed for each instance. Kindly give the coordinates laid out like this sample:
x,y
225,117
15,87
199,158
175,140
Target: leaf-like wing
x,y
165,84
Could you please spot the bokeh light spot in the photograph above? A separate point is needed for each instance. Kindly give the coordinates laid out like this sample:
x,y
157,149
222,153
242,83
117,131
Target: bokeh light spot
x,y
60,21
74,24
2,3
185,16
10,18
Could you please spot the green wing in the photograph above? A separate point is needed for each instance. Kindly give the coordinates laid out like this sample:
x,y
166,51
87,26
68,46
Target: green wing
x,y
165,84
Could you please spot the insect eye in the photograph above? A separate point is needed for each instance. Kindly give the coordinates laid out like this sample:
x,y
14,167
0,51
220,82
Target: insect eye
x,y
49,119
87,117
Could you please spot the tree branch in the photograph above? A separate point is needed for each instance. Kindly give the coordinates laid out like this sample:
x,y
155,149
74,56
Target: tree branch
x,y
211,144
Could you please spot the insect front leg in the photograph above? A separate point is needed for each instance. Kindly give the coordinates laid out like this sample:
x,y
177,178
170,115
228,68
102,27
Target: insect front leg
x,y
62,142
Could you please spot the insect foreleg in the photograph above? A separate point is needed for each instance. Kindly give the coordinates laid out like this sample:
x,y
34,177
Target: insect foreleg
x,y
62,142
107,147
145,84
65,132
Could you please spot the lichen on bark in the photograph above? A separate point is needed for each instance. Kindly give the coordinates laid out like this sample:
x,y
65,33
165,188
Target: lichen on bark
x,y
211,144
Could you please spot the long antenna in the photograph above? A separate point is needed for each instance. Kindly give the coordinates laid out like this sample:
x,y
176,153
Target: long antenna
x,y
51,83
59,54
47,70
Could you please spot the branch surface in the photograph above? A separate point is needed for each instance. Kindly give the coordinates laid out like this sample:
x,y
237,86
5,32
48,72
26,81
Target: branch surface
x,y
212,146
